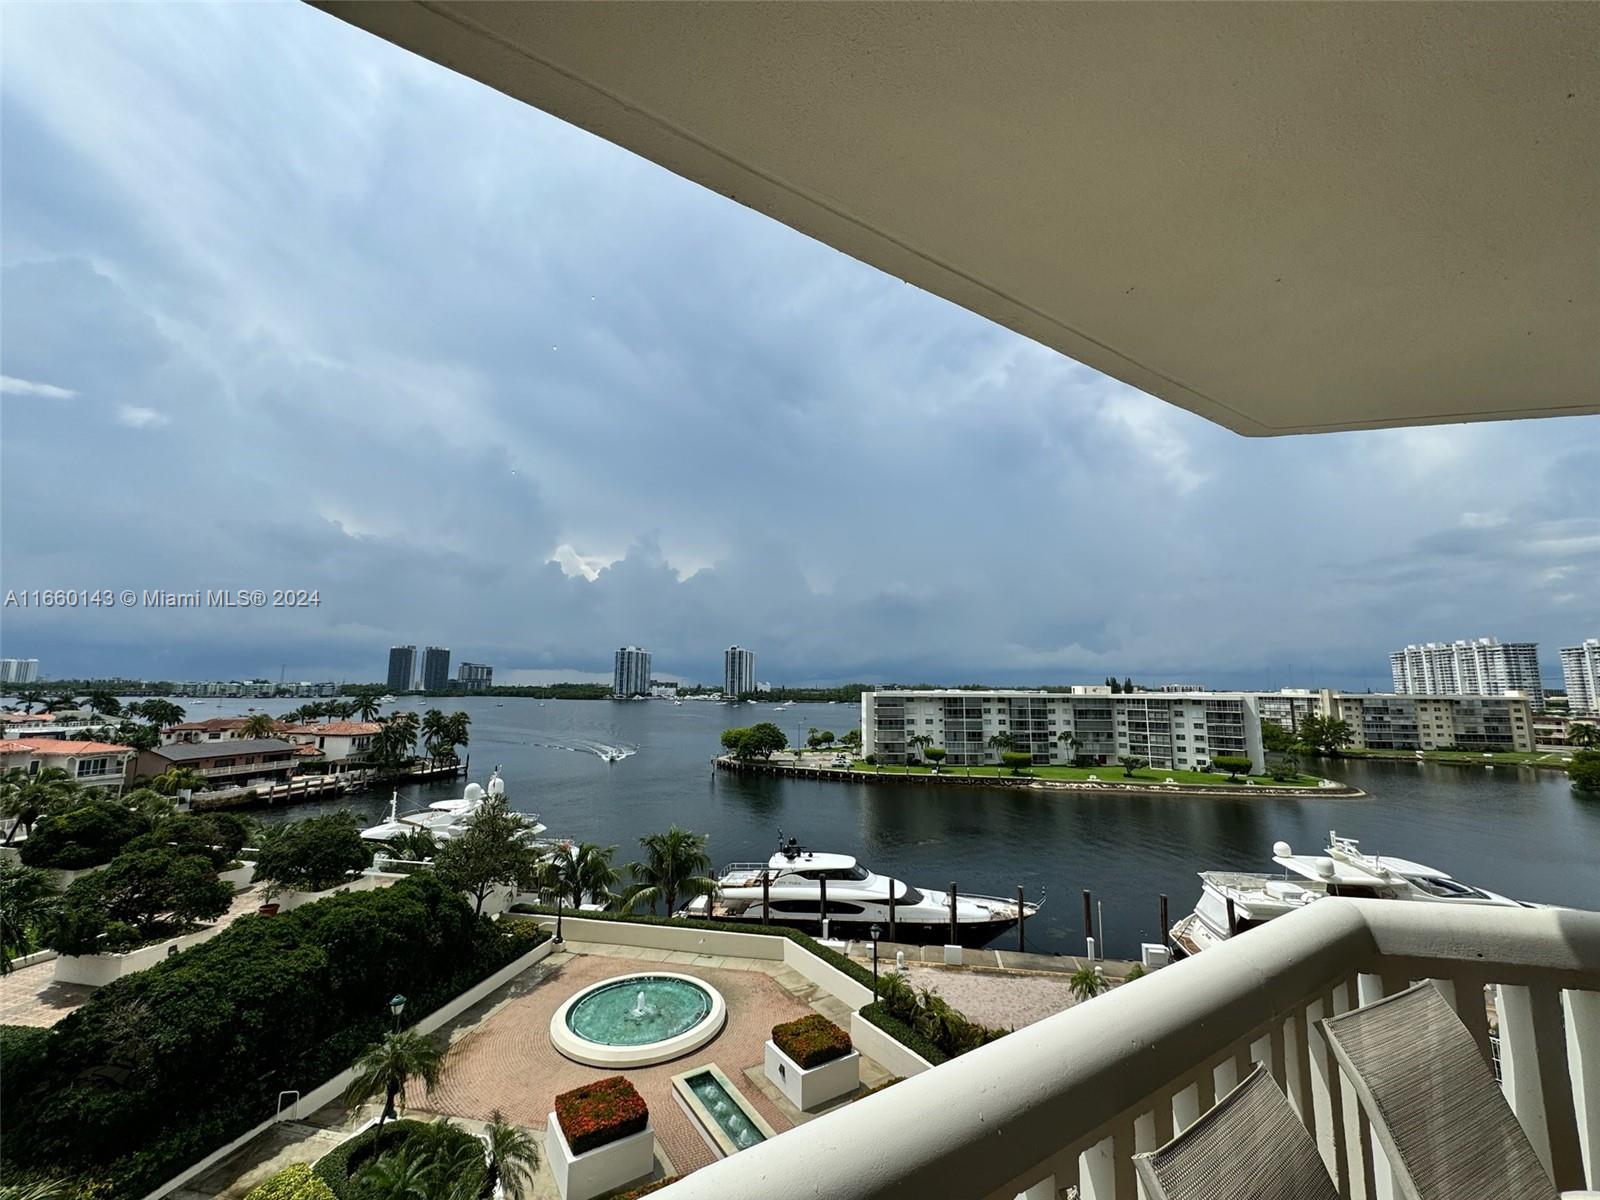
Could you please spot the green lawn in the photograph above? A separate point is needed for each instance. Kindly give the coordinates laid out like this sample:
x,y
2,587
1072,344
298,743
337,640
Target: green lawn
x,y
1476,758
1108,774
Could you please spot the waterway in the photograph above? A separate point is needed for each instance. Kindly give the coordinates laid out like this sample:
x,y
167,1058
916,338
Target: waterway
x,y
1514,830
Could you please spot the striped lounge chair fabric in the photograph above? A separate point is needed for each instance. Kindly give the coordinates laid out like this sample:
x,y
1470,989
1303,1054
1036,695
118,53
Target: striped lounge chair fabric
x,y
1249,1146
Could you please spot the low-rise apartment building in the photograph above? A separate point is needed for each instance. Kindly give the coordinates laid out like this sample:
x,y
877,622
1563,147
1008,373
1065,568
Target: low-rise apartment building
x,y
1389,721
90,764
226,762
1179,731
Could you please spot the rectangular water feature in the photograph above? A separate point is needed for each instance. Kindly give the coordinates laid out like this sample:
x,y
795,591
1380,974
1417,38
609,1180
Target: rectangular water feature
x,y
726,1118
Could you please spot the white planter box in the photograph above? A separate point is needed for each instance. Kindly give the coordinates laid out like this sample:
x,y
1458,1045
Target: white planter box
x,y
810,1089
287,900
601,1170
240,876
97,970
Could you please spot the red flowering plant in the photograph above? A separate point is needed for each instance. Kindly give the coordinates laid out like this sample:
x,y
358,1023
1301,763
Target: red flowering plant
x,y
600,1112
811,1041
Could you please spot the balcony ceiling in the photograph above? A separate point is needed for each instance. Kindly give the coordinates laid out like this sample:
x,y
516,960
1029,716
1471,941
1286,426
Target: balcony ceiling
x,y
1287,218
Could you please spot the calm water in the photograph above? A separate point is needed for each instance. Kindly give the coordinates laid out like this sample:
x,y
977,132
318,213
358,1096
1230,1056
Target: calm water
x,y
1512,830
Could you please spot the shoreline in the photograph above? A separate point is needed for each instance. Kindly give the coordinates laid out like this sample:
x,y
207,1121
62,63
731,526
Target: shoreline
x,y
1023,782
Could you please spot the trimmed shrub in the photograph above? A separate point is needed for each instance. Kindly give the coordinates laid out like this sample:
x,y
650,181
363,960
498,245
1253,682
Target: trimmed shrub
x,y
292,1183
86,836
340,1169
142,896
600,1112
903,1033
22,1054
811,1041
218,836
160,1068
312,855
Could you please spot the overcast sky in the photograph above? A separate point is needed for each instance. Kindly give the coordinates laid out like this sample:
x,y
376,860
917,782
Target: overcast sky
x,y
285,307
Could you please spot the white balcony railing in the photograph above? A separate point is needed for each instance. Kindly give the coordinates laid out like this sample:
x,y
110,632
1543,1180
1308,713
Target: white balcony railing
x,y
1069,1100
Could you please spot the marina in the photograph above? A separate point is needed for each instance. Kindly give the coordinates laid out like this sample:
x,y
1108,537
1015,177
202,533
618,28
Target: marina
x,y
1513,830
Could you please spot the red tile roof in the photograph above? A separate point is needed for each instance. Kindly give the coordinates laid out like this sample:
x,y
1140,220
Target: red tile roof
x,y
337,728
59,746
210,723
10,747
308,751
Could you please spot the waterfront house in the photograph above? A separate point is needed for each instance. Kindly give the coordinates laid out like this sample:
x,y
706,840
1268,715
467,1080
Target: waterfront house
x,y
212,729
226,762
343,745
91,764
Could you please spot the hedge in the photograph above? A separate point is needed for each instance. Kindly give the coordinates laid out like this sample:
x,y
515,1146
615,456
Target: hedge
x,y
341,1167
601,1112
162,1067
638,1192
81,837
811,1041
903,1033
292,1183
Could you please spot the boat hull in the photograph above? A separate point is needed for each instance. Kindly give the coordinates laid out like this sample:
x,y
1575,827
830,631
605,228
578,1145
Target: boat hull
x,y
971,934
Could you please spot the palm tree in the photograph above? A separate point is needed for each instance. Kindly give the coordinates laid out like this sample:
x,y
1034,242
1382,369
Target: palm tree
x,y
174,780
367,706
919,741
675,862
150,805
387,1066
38,1189
258,725
1086,983
1583,734
61,701
418,845
584,871
136,736
26,798
102,701
28,697
513,1157
27,899
1071,741
399,1175
1001,742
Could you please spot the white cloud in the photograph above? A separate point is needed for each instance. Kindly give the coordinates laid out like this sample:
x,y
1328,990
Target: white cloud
x,y
1483,520
135,417
26,387
574,565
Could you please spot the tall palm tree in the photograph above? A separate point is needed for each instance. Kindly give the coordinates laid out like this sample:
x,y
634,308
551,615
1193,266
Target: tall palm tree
x,y
675,863
150,805
367,706
1001,742
136,736
258,725
919,741
102,701
61,701
1582,734
417,845
28,697
513,1157
583,871
387,1066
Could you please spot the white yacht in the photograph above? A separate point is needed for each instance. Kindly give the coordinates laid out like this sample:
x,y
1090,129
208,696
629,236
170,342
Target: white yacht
x,y
445,819
857,899
1234,902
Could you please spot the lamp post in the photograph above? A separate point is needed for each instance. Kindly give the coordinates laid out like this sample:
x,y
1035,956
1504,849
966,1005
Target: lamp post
x,y
876,932
397,1005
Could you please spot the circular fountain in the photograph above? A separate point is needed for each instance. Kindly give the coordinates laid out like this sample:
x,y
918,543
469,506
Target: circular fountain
x,y
636,1020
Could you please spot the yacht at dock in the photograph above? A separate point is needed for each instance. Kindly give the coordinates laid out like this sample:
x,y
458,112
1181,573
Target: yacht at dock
x,y
1233,902
788,889
444,819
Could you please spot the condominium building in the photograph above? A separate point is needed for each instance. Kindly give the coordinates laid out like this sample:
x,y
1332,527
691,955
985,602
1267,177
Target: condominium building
x,y
1171,730
1380,721
738,671
435,668
630,675
402,668
1580,672
19,670
1289,707
1485,667
475,677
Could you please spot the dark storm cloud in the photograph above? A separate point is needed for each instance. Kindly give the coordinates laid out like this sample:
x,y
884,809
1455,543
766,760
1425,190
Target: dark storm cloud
x,y
286,307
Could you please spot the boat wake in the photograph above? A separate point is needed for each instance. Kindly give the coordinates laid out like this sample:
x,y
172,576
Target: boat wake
x,y
604,751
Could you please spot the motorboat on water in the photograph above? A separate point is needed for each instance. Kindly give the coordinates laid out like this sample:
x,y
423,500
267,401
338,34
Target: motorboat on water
x,y
788,889
1234,902
444,819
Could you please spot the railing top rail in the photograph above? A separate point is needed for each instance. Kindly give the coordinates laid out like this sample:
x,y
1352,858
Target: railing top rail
x,y
986,1121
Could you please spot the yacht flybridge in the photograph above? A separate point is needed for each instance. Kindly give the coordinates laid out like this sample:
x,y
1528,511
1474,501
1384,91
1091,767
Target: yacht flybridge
x,y
444,819
788,889
1234,902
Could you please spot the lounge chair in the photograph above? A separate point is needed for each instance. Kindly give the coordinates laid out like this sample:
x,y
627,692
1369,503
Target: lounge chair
x,y
1249,1146
1433,1102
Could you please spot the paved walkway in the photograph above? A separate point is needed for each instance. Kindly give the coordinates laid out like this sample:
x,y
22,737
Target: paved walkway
x,y
32,996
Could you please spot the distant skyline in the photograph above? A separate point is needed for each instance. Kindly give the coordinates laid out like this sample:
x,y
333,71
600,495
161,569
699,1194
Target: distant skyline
x,y
287,307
